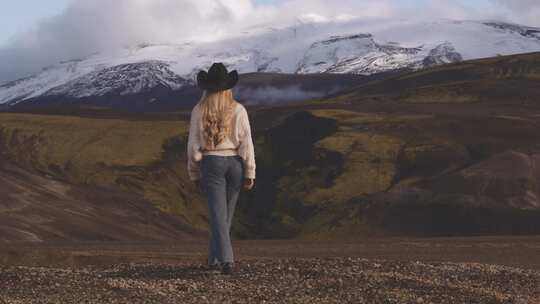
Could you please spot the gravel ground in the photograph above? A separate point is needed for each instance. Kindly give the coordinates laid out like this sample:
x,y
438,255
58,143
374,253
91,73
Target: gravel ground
x,y
293,280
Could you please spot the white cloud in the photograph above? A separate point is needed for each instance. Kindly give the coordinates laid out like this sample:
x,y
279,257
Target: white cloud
x,y
312,18
521,11
89,26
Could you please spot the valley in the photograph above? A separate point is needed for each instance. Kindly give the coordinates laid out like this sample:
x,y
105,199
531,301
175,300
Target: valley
x,y
346,167
417,186
396,144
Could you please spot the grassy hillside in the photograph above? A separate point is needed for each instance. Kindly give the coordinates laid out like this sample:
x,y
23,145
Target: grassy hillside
x,y
146,157
322,172
500,80
401,156
392,157
357,177
38,208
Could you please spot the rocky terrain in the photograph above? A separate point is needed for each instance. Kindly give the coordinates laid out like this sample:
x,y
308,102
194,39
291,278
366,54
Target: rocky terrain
x,y
445,270
346,280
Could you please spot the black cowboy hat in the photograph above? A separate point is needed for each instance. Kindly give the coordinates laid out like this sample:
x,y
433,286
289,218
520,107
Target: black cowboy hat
x,y
217,78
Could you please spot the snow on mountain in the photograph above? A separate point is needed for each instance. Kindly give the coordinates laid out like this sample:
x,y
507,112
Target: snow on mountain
x,y
358,54
350,46
522,30
122,79
442,54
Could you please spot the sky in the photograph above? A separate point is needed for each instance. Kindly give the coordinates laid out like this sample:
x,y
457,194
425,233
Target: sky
x,y
37,33
21,15
16,17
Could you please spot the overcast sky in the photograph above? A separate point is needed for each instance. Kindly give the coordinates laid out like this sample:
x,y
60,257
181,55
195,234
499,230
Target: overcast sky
x,y
36,33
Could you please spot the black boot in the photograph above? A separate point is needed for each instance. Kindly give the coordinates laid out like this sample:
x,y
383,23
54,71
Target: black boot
x,y
227,268
213,267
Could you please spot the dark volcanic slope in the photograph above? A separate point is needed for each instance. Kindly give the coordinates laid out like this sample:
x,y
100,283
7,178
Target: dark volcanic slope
x,y
35,208
307,82
500,80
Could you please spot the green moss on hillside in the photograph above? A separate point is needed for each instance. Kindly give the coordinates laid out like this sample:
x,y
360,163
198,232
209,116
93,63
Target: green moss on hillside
x,y
141,156
317,169
370,165
355,160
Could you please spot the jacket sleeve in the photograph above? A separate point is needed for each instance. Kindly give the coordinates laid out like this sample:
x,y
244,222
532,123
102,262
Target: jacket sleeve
x,y
246,149
193,148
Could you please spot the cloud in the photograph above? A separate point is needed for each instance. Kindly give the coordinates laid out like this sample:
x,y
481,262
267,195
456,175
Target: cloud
x,y
520,11
269,95
89,26
520,5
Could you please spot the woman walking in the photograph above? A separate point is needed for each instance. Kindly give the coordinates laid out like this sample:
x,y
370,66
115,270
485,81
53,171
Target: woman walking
x,y
221,157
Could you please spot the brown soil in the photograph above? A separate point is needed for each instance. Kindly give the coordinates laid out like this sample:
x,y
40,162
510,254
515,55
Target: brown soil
x,y
77,212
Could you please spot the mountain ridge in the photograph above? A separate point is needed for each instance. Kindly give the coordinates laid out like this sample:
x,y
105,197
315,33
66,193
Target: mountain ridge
x,y
353,47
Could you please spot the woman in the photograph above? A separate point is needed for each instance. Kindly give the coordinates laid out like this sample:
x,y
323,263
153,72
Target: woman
x,y
220,157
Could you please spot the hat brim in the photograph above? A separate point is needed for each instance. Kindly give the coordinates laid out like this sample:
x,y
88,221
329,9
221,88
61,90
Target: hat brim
x,y
228,83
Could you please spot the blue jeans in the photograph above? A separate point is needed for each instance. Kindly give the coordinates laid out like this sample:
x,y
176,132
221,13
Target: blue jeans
x,y
221,182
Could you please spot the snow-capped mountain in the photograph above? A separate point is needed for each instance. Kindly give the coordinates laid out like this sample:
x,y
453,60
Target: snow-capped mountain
x,y
353,46
121,79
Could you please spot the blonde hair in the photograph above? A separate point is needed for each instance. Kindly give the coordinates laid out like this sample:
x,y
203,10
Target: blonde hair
x,y
217,109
